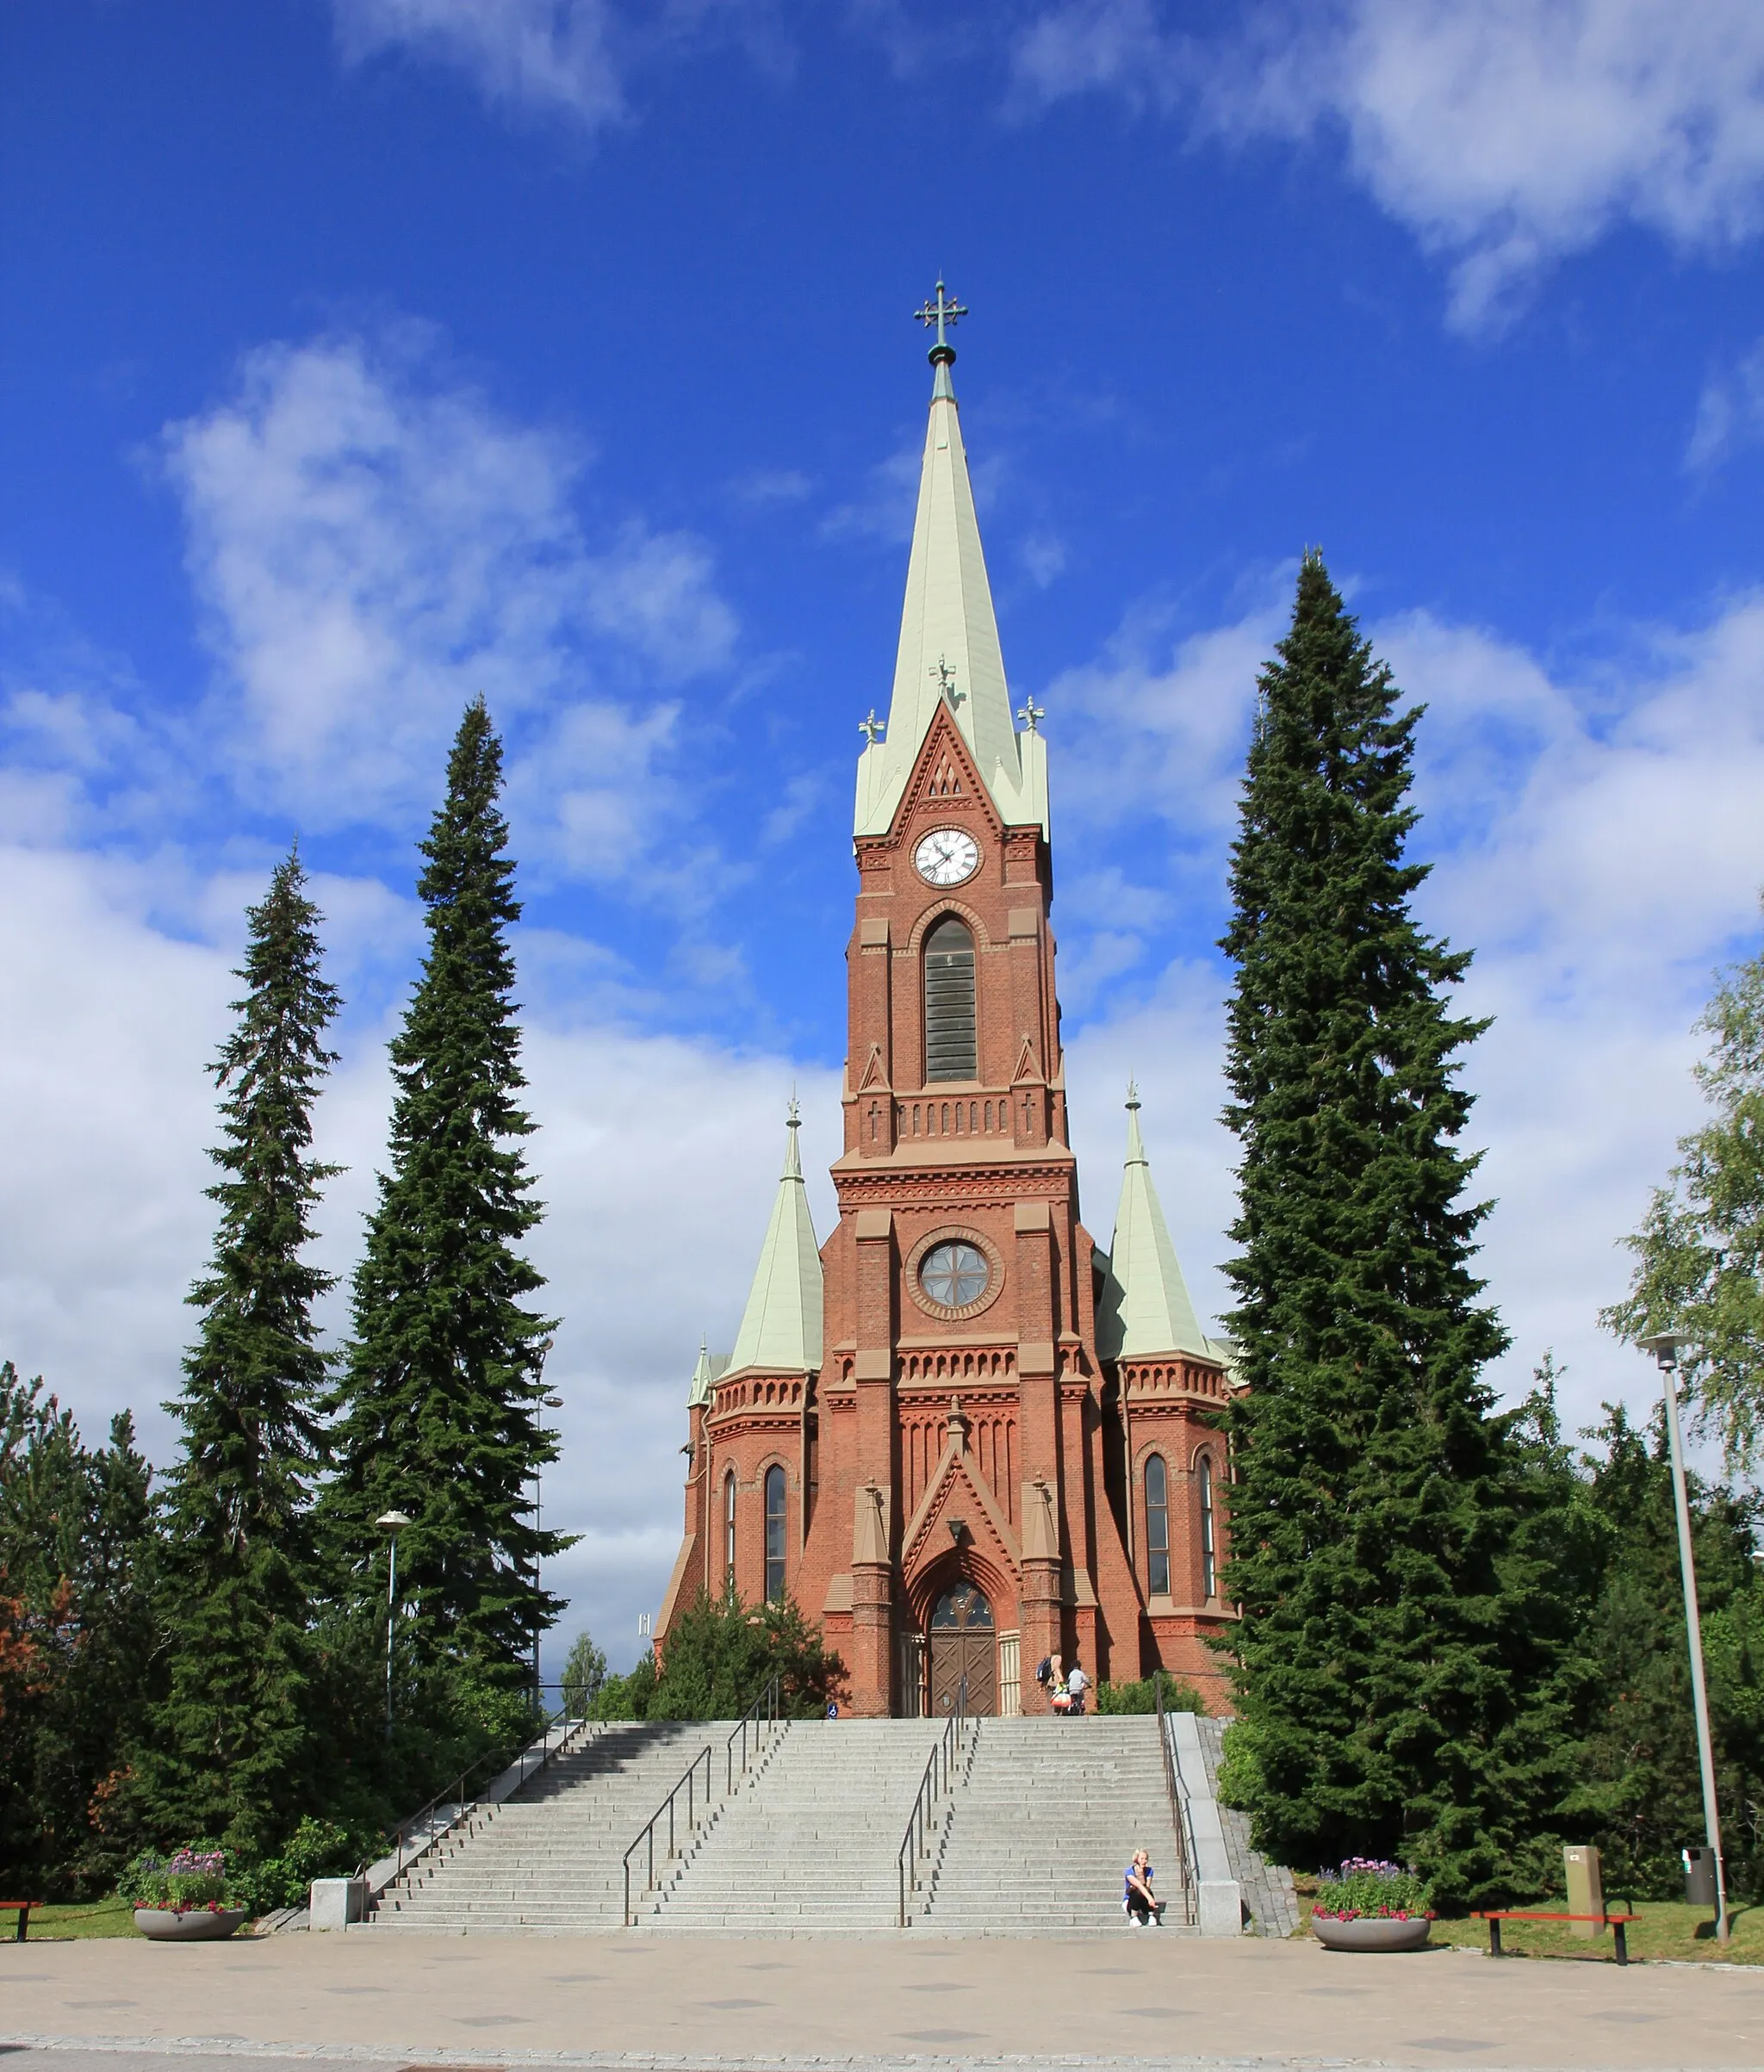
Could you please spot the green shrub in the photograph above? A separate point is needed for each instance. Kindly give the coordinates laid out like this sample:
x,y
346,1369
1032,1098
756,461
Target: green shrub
x,y
1141,1696
316,1849
626,1697
721,1651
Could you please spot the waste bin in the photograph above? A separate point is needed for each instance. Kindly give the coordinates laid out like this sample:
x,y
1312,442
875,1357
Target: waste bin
x,y
1699,1877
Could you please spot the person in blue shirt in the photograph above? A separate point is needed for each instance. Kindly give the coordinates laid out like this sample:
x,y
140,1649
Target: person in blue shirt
x,y
1141,1904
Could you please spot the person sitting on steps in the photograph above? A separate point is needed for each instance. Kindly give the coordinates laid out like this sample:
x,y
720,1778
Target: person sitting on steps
x,y
1140,1903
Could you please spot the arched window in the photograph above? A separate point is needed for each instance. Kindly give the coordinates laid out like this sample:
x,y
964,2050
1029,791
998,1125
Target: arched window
x,y
1157,1526
774,1533
951,1049
1209,1566
729,1529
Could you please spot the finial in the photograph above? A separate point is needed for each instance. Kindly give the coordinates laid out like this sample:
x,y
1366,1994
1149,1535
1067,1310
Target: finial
x,y
946,683
1133,1093
793,1114
873,728
1031,714
943,312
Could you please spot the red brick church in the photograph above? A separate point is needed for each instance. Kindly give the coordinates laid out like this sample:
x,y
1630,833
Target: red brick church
x,y
958,1432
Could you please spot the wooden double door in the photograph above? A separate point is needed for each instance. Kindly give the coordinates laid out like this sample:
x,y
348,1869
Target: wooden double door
x,y
963,1642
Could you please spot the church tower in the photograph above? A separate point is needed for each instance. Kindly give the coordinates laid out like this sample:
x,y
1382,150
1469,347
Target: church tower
x,y
918,1435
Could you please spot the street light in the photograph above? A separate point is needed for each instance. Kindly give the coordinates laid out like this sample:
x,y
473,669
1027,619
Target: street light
x,y
391,1522
543,1349
1666,1347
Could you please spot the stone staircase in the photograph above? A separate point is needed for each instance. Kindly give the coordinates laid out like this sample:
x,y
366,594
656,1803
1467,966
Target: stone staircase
x,y
1031,1839
551,1857
1050,1815
814,1845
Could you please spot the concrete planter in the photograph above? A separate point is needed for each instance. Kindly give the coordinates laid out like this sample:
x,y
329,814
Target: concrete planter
x,y
1372,1932
193,1925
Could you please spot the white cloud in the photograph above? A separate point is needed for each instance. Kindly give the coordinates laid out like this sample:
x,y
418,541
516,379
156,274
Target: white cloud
x,y
1729,413
372,549
1596,840
572,58
556,55
1044,558
883,508
657,1159
1137,735
1504,134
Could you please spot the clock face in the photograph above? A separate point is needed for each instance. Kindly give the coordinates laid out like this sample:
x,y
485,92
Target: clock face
x,y
947,856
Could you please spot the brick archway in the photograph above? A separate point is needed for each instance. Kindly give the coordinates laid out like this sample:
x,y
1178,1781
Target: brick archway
x,y
962,1644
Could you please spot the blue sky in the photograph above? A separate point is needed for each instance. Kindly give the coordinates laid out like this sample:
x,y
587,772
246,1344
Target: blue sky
x,y
357,356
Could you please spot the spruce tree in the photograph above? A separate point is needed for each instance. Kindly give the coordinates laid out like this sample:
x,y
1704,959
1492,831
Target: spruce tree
x,y
77,1574
234,1756
1636,1792
1402,1663
442,1398
1700,1253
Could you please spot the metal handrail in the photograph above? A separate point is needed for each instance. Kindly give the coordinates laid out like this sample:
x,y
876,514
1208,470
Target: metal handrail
x,y
940,1768
688,1785
1181,1818
454,1795
765,1710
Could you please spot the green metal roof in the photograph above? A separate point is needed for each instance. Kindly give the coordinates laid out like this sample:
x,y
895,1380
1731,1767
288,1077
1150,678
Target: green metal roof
x,y
780,1328
1145,1309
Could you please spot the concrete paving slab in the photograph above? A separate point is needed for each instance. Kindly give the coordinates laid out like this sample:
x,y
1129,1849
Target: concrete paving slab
x,y
723,2004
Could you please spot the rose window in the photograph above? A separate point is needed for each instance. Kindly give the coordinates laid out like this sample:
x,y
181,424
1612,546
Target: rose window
x,y
955,1274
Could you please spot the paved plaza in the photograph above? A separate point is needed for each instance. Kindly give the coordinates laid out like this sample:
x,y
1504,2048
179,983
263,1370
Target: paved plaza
x,y
750,2000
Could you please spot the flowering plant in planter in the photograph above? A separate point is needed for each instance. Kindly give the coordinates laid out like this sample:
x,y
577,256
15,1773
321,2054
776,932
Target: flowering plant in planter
x,y
192,1879
1364,1889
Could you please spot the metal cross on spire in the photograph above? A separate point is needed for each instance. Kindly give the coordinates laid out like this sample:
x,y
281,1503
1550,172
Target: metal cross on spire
x,y
945,682
1032,715
942,312
871,727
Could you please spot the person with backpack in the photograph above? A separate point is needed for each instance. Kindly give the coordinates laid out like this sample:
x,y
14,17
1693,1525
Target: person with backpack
x,y
1057,1696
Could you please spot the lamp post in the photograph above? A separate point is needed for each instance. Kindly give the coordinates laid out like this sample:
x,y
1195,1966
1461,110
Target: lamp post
x,y
543,1349
1666,1347
391,1522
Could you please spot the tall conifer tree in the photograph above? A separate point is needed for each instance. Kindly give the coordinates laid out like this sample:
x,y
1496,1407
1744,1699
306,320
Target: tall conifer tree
x,y
442,1396
232,1754
1401,1662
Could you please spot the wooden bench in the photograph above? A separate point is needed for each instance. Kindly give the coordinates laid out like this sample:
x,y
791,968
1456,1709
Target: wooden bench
x,y
23,1909
1617,1922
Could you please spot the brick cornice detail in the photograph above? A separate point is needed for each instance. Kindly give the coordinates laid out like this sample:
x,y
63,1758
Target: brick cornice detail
x,y
955,1186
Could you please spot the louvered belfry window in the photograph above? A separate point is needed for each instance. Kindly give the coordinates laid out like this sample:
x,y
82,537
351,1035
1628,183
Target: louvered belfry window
x,y
951,1050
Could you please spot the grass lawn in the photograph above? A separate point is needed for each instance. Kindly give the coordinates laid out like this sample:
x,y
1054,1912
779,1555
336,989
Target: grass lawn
x,y
1665,1928
111,1916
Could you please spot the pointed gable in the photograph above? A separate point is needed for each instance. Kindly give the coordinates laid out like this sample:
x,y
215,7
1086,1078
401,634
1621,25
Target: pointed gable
x,y
781,1326
1144,1308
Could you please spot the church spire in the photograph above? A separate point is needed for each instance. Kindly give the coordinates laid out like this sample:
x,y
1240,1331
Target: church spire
x,y
1145,1309
780,1327
949,653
